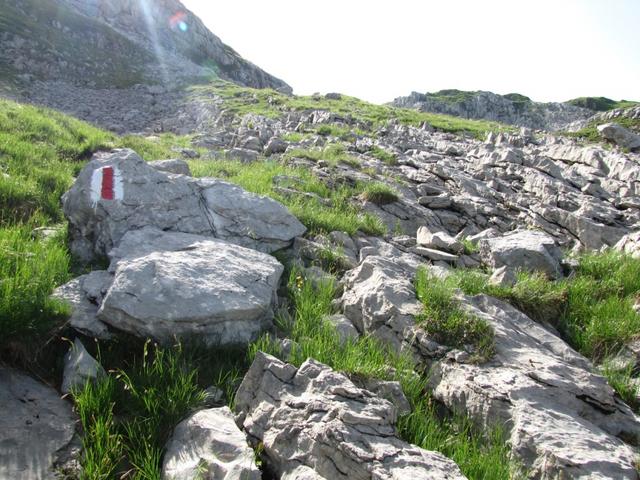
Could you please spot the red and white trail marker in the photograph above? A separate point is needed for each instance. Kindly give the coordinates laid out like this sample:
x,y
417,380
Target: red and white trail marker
x,y
106,184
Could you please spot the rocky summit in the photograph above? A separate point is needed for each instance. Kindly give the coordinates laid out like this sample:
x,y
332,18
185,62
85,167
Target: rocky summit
x,y
203,276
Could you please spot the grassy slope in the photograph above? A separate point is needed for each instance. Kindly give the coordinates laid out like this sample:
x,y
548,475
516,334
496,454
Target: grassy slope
x,y
241,100
593,309
600,104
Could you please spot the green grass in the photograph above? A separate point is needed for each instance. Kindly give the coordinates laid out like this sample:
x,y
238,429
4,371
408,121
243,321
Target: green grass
x,y
379,193
478,456
600,104
331,208
333,154
592,309
29,270
269,103
446,322
381,154
469,247
590,132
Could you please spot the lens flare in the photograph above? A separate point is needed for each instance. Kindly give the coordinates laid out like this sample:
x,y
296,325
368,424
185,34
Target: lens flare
x,y
178,21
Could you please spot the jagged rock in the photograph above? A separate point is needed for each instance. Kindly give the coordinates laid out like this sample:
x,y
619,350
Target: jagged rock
x,y
380,299
562,420
118,192
171,284
503,277
630,244
37,429
513,108
275,145
173,165
209,446
79,368
84,294
619,135
526,250
318,418
438,240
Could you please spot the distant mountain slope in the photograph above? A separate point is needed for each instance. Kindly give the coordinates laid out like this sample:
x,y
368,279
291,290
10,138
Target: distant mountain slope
x,y
115,43
601,104
514,109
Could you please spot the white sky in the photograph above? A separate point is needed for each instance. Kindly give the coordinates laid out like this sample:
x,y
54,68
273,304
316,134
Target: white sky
x,y
549,50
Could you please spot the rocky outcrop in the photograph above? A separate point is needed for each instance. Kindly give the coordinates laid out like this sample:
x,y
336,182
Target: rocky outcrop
x,y
512,109
148,42
526,250
562,419
119,192
37,429
619,135
315,423
209,446
166,285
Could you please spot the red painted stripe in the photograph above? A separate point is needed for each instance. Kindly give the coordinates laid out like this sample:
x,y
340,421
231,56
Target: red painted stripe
x,y
107,183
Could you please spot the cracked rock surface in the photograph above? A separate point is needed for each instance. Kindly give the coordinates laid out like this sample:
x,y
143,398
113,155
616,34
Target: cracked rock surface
x,y
162,285
316,424
149,197
209,446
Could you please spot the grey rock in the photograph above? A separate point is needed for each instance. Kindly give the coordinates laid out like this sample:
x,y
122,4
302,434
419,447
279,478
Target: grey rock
x,y
169,202
36,430
79,368
84,294
503,277
209,446
169,284
630,244
244,155
438,240
315,417
172,166
345,329
435,255
527,250
562,420
275,145
619,135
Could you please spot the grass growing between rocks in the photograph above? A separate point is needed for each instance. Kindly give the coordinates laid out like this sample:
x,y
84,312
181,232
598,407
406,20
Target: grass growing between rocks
x,y
592,309
478,456
269,103
446,322
129,414
318,207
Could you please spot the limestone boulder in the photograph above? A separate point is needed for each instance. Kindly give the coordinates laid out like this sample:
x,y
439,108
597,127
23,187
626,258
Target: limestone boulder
x,y
563,420
317,418
619,135
118,191
173,165
171,284
209,446
526,250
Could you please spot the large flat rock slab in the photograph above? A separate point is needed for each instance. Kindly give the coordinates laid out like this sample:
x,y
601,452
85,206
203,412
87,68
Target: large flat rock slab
x,y
315,423
117,192
564,421
36,428
174,285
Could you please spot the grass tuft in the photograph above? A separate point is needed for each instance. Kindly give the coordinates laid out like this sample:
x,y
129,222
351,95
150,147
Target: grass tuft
x,y
379,193
446,322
